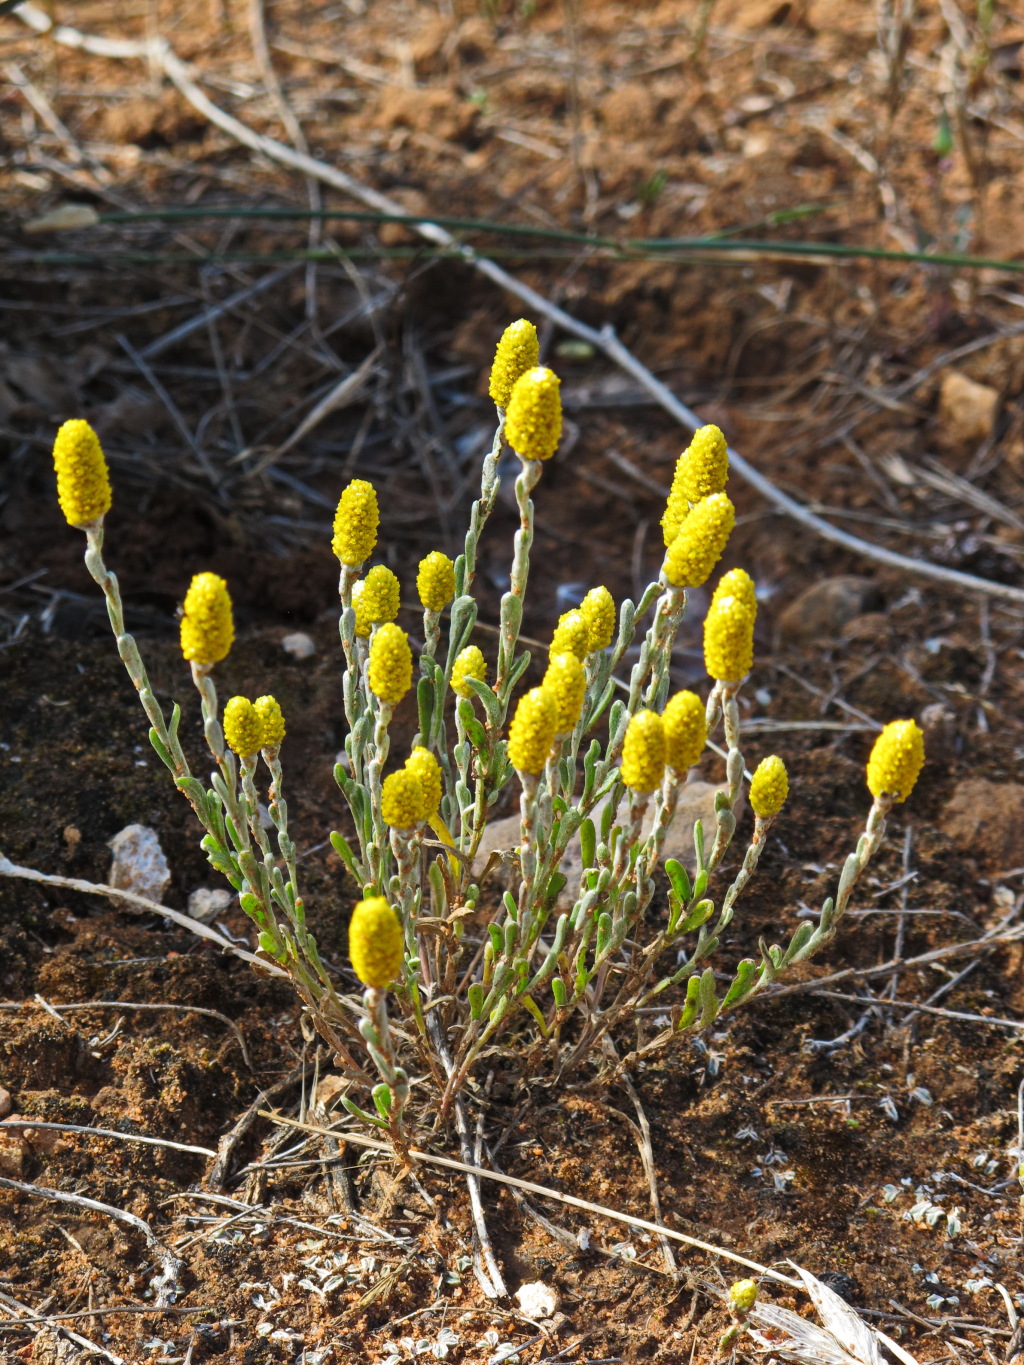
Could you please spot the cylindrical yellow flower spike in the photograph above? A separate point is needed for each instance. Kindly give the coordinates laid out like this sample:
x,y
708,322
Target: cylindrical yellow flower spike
x,y
469,663
381,595
355,523
375,942
729,638
426,767
705,464
533,422
435,581
598,610
83,484
402,800
243,730
896,760
207,627
567,683
572,635
686,730
643,752
517,351
389,670
364,623
700,542
769,787
742,1296
677,508
533,730
271,721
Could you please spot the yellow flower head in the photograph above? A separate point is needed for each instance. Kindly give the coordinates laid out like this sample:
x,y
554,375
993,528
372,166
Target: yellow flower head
x,y
426,767
469,663
643,752
355,523
518,351
271,721
742,1295
533,422
363,623
572,635
729,638
243,732
381,595
736,583
375,942
686,731
435,581
567,683
389,670
533,730
769,786
403,802
83,485
207,627
896,760
700,542
598,610
705,464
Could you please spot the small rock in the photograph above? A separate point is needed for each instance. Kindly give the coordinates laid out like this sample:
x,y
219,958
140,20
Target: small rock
x,y
825,608
12,1154
207,902
986,821
139,864
328,1089
537,1300
967,410
872,629
299,645
5,1102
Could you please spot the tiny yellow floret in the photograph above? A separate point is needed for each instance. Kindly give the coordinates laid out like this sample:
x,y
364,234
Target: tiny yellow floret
x,y
533,422
700,542
271,721
426,767
567,683
742,1296
572,635
469,663
643,752
403,802
517,351
705,464
207,626
381,596
389,669
598,610
375,942
83,484
243,731
729,638
686,730
355,523
896,760
435,581
533,730
769,787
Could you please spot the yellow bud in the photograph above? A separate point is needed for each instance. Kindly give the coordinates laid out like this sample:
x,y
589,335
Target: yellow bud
x,y
469,663
533,730
598,610
389,670
572,635
381,596
705,464
402,800
643,752
83,485
426,767
207,626
567,683
517,351
375,942
729,638
355,523
242,729
742,1295
685,730
700,542
677,508
271,721
769,786
363,623
896,760
435,581
736,583
533,422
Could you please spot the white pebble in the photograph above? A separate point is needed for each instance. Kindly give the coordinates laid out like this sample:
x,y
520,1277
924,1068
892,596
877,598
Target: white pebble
x,y
537,1300
207,902
299,645
139,864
